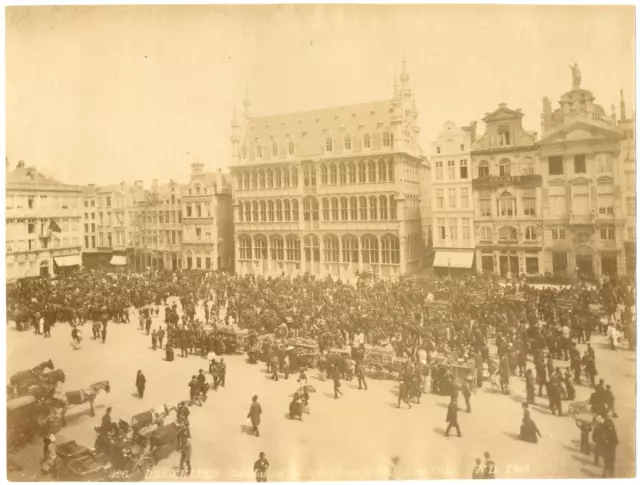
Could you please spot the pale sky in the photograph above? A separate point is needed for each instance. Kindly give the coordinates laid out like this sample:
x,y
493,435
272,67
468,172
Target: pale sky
x,y
106,94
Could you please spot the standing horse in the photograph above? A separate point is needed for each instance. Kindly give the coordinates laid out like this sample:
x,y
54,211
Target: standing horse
x,y
40,386
81,396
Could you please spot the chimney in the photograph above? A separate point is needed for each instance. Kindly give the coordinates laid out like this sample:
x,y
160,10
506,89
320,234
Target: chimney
x,y
219,180
138,184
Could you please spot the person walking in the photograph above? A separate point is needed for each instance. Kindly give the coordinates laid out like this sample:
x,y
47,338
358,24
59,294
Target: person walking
x,y
141,383
104,330
160,335
541,372
222,372
185,457
466,392
609,400
478,470
260,467
154,339
361,376
336,383
254,414
610,443
530,386
585,430
452,418
489,467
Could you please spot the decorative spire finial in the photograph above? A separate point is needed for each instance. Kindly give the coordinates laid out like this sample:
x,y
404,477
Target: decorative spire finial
x,y
623,107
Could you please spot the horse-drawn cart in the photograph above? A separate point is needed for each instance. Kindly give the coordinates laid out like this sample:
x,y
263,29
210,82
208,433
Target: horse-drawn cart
x,y
378,361
305,353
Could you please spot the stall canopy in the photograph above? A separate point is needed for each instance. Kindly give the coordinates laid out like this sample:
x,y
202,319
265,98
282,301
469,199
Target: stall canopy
x,y
73,260
119,260
452,259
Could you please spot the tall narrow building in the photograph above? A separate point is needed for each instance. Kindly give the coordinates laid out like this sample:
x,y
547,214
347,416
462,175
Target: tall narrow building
x,y
334,191
580,154
451,201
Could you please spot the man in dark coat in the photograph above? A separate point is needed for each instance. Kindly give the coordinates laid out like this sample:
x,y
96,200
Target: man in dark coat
x,y
141,382
541,372
185,457
254,414
466,392
452,418
160,336
530,386
361,376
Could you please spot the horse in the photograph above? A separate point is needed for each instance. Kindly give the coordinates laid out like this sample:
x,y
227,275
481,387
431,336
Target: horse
x,y
81,396
19,377
40,386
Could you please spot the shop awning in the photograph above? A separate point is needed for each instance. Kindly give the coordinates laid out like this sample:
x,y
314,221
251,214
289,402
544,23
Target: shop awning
x,y
73,260
119,260
453,259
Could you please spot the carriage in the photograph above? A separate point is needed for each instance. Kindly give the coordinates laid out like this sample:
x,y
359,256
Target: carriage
x,y
303,353
378,361
229,341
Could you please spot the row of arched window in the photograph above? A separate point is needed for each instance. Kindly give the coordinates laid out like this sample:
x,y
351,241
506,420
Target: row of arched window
x,y
341,173
371,208
508,234
347,249
351,173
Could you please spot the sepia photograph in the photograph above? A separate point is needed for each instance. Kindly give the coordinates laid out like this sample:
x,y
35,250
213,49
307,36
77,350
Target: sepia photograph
x,y
292,243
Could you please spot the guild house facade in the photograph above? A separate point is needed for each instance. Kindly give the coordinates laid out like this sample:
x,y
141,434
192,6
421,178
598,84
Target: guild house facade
x,y
333,191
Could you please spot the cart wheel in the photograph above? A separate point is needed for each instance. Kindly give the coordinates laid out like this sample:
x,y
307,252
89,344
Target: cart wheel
x,y
141,469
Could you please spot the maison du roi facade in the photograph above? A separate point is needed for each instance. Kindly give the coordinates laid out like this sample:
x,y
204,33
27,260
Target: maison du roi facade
x,y
334,191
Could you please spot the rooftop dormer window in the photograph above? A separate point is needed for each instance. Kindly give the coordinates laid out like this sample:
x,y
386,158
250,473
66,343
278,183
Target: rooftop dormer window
x,y
504,137
274,149
291,148
329,145
347,142
386,139
367,141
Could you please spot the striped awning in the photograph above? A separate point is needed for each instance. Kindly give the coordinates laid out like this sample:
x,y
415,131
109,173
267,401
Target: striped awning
x,y
453,259
119,260
71,260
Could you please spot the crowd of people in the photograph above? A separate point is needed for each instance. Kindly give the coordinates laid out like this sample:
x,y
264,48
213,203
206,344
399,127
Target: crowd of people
x,y
416,318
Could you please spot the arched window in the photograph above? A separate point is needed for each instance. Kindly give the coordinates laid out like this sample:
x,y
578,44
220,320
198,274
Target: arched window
x,y
331,249
369,249
278,210
353,207
287,210
295,210
352,173
333,174
344,209
269,179
240,212
528,166
254,206
343,174
261,179
372,172
294,177
270,211
530,233
247,211
349,249
263,211
315,210
386,139
384,213
278,178
362,172
382,171
245,247
508,234
505,168
390,250
254,179
324,175
274,149
367,141
486,234
483,169
325,209
245,181
260,247
311,248
306,209
507,205
392,208
285,177
363,208
329,144
291,148
277,248
293,248
334,209
390,170
347,142
373,208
